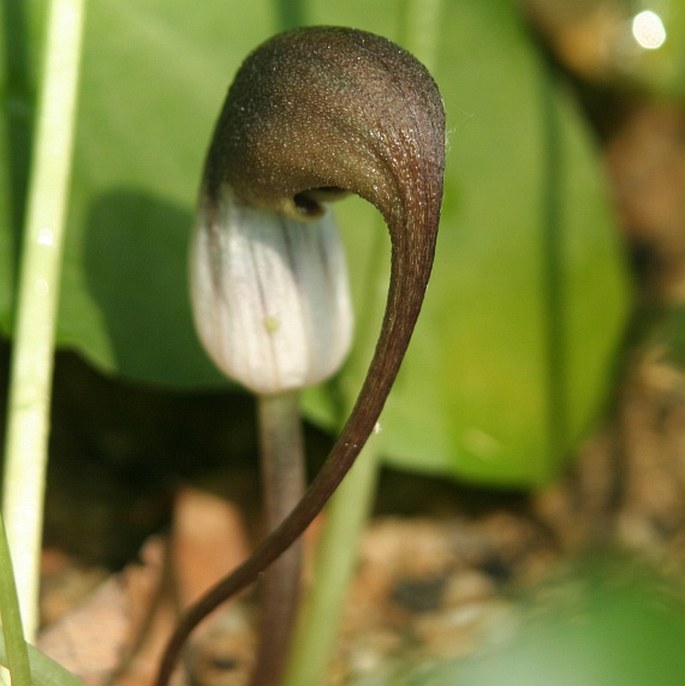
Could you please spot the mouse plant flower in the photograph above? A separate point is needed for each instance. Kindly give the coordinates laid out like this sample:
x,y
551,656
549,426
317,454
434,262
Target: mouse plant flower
x,y
270,294
312,114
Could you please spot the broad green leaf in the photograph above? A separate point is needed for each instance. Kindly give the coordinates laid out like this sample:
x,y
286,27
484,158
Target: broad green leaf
x,y
21,31
513,353
514,349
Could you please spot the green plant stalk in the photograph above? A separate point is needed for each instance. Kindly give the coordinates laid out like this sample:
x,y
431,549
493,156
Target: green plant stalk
x,y
37,301
420,29
283,479
12,630
289,13
346,516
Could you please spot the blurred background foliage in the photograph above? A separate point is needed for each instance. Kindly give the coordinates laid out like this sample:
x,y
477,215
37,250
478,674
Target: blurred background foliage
x,y
608,622
516,349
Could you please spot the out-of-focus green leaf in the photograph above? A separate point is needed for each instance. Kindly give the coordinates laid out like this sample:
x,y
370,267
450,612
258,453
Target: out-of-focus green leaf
x,y
669,335
514,349
594,631
7,235
513,353
21,33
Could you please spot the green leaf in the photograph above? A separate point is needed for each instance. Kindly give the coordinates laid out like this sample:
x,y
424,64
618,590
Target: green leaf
x,y
44,670
514,351
595,629
667,335
22,28
512,357
12,629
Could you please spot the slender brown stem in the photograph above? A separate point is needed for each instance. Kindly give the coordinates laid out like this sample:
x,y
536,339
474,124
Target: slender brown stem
x,y
411,263
283,478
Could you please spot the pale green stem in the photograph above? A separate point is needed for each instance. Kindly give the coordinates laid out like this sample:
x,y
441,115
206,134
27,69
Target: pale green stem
x,y
12,630
283,479
421,28
37,301
346,515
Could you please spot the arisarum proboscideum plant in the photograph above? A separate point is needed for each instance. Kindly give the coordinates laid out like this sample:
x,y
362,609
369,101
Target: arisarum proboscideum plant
x,y
313,114
272,307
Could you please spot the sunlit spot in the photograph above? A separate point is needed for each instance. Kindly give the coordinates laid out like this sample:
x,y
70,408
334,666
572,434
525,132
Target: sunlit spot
x,y
649,30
